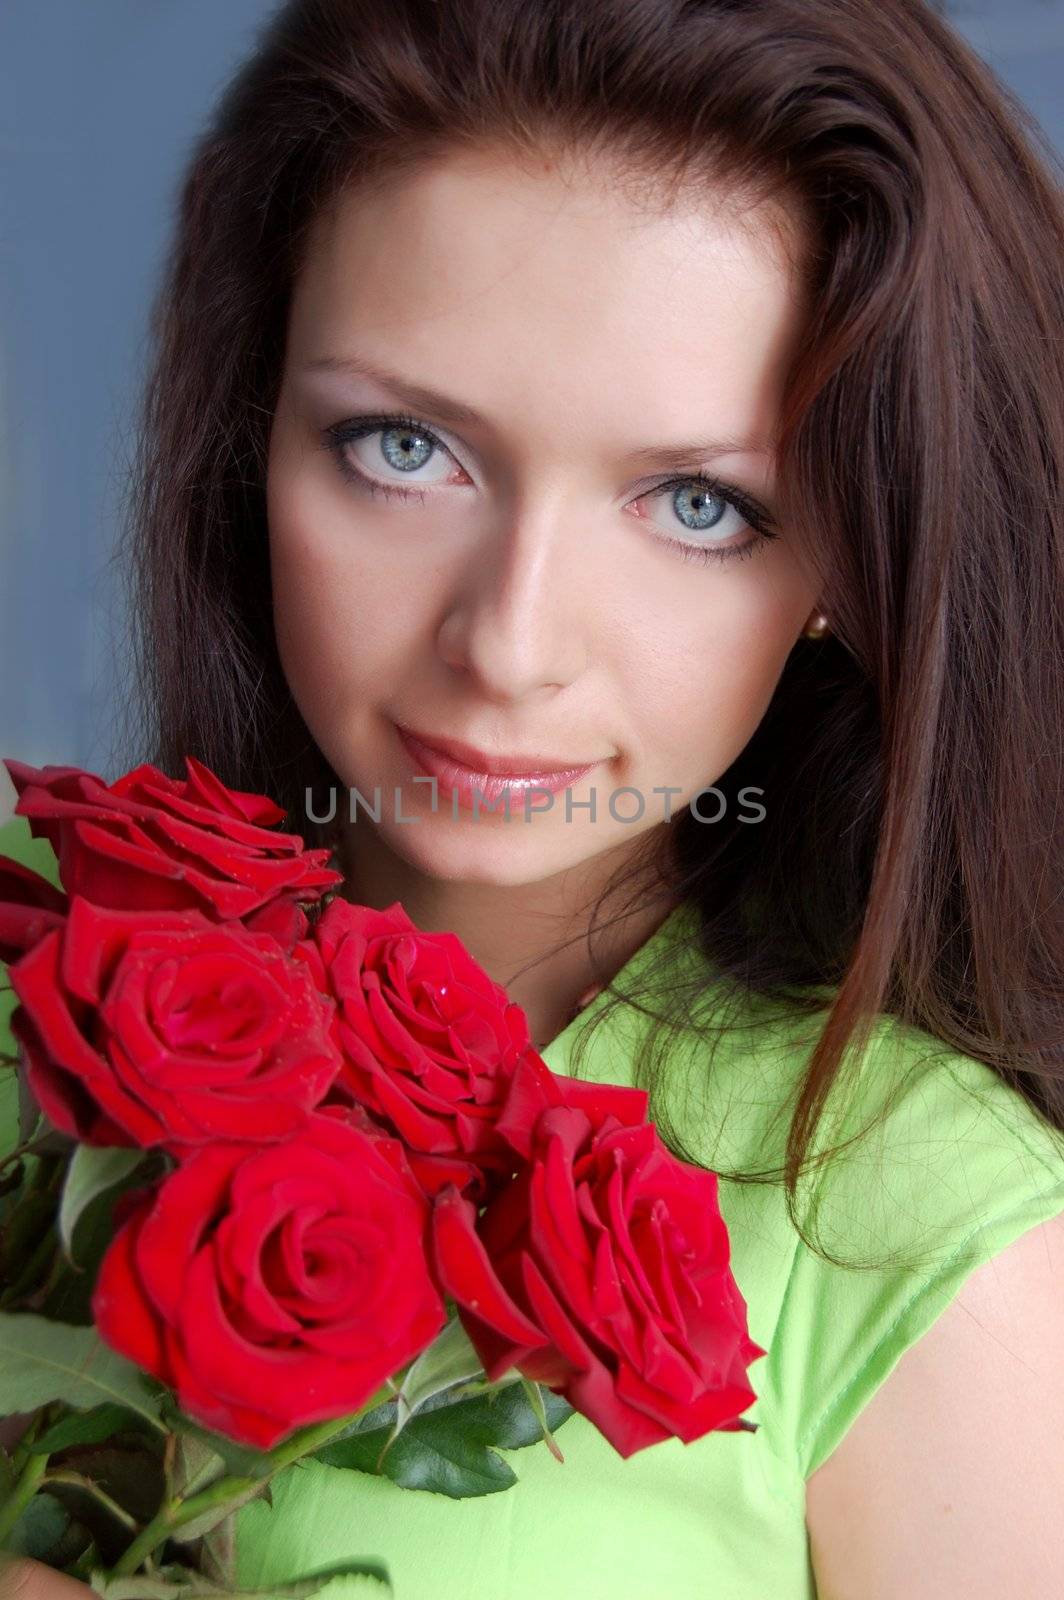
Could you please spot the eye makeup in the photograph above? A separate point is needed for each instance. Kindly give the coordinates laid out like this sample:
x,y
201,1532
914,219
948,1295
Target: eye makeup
x,y
338,436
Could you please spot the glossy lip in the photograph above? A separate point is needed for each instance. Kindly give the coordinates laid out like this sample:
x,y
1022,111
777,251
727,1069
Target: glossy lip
x,y
473,788
475,761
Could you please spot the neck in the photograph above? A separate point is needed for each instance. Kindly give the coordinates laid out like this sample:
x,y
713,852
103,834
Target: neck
x,y
532,938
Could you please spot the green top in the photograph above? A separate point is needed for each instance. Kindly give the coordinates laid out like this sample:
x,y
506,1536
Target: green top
x,y
959,1167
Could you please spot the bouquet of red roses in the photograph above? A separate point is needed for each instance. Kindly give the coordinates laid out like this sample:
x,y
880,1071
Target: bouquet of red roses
x,y
290,1180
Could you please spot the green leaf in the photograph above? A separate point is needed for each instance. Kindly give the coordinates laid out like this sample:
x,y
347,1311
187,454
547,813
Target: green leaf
x,y
39,1529
450,1444
135,1588
82,1567
26,1223
215,1555
175,1582
41,1361
196,1464
12,1180
85,1427
70,1299
30,1115
449,1360
93,1170
534,1393
209,1520
241,1460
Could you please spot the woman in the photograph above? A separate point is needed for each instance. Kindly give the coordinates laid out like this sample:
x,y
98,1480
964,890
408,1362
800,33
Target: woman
x,y
604,403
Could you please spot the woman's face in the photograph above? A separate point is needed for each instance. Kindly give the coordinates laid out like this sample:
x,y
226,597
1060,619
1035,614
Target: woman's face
x,y
528,563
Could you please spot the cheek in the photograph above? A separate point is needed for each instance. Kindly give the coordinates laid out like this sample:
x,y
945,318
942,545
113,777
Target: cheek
x,y
312,614
339,604
703,694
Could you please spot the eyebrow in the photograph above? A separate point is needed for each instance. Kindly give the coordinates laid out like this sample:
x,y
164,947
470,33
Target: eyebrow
x,y
419,398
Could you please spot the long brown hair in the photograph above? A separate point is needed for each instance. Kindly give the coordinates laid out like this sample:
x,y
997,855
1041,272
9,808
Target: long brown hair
x,y
909,859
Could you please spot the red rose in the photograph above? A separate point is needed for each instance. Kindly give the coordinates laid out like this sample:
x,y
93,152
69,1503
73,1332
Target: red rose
x,y
150,843
602,1270
277,1285
534,1088
30,907
429,1041
145,1028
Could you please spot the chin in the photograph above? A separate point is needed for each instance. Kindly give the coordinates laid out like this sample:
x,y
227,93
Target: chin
x,y
506,857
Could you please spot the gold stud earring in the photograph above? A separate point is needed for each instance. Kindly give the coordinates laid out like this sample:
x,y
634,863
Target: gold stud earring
x,y
817,628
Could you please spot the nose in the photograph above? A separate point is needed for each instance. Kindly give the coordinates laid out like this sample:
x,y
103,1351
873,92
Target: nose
x,y
517,621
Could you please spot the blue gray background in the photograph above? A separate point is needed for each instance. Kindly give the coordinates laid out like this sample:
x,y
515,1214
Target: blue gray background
x,y
100,101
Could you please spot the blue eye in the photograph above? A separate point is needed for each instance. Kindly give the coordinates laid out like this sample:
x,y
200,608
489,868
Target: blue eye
x,y
704,505
404,446
701,504
699,510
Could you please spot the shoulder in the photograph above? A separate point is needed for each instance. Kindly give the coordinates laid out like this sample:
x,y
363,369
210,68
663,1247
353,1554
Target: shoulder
x,y
933,1378
959,1447
951,1166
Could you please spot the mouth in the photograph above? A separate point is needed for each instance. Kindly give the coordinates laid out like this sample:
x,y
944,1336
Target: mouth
x,y
509,766
459,767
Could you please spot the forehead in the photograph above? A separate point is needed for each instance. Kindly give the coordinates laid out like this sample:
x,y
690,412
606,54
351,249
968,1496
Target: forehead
x,y
548,282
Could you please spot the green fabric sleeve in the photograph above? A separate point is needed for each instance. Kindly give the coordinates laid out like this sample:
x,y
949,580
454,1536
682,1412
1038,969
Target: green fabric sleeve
x,y
960,1167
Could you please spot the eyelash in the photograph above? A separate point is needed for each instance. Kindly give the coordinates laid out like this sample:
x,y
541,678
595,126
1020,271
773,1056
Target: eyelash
x,y
339,434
